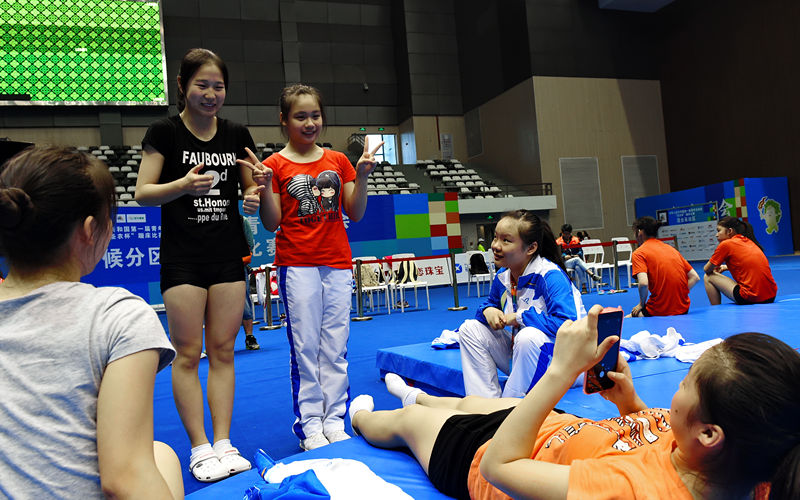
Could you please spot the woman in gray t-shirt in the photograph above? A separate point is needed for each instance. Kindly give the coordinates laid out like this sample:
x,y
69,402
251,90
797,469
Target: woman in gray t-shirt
x,y
78,362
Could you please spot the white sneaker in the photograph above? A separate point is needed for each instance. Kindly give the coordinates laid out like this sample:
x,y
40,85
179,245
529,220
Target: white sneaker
x,y
313,442
336,436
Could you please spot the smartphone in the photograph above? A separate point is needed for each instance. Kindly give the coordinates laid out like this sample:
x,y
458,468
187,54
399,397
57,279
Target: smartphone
x,y
609,322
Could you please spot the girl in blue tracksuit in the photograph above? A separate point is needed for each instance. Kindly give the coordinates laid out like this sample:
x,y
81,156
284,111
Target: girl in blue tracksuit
x,y
515,328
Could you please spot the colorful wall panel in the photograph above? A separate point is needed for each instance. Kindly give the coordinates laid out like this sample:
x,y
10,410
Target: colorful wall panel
x,y
761,201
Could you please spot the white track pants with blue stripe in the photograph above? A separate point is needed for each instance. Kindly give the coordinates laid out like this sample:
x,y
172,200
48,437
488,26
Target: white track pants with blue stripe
x,y
317,303
484,350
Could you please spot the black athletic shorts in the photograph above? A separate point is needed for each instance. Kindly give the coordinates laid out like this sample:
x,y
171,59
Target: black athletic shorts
x,y
201,274
743,301
455,447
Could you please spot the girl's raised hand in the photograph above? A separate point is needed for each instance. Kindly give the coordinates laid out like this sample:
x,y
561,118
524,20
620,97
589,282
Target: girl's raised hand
x,y
366,164
197,184
576,348
251,201
262,175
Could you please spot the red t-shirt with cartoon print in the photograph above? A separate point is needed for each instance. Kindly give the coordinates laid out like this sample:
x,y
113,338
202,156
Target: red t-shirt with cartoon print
x,y
622,457
748,266
312,231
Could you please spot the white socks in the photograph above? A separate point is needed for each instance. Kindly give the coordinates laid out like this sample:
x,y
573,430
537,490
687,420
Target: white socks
x,y
362,402
221,446
200,449
398,388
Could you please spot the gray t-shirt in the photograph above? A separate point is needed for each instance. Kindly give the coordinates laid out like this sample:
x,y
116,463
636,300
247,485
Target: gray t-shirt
x,y
55,344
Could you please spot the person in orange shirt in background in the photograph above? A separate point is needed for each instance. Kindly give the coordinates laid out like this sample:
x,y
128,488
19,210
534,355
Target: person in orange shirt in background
x,y
706,446
738,252
664,277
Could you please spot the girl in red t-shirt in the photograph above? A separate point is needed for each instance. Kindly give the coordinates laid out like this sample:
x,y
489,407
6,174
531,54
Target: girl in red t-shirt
x,y
738,252
310,187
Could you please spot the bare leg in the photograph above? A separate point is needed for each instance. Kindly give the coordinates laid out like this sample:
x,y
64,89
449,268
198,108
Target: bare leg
x,y
223,317
414,426
185,305
718,283
468,404
169,467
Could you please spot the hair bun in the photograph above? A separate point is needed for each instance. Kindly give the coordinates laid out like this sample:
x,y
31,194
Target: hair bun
x,y
15,205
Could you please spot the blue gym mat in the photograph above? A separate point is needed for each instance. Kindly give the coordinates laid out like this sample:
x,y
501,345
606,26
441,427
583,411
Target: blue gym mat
x,y
396,467
263,413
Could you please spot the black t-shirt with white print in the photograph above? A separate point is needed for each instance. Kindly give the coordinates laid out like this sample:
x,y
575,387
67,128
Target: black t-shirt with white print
x,y
201,228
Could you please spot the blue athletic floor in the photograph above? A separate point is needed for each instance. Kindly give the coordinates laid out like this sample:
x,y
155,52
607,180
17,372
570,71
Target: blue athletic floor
x,y
263,415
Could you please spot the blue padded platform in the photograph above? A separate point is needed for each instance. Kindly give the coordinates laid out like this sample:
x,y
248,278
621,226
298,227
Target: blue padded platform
x,y
393,466
440,370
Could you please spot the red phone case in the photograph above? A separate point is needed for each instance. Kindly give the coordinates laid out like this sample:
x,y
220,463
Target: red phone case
x,y
595,379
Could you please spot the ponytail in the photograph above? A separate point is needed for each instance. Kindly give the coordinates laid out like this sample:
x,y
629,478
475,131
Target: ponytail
x,y
786,480
742,227
535,230
548,247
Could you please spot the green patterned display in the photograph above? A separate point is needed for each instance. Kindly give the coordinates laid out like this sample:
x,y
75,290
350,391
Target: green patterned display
x,y
82,51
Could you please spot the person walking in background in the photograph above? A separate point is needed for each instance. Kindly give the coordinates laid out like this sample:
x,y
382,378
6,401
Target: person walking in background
x,y
189,168
313,258
250,341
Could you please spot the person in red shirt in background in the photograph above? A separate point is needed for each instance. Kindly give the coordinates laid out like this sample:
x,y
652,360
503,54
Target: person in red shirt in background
x,y
738,252
663,275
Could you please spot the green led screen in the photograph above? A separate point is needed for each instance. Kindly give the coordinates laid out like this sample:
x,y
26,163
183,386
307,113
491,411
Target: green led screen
x,y
81,51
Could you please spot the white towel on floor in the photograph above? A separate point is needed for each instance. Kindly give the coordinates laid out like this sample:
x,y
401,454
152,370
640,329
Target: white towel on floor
x,y
447,340
646,345
345,479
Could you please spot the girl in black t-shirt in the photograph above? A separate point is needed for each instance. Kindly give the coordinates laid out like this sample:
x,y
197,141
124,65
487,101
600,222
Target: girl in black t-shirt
x,y
189,168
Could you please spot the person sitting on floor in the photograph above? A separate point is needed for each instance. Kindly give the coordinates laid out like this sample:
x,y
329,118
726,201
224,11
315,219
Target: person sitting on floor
x,y
532,295
740,253
732,425
79,363
573,257
663,276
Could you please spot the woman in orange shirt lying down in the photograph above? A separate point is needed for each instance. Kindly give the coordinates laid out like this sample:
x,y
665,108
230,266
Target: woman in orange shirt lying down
x,y
732,425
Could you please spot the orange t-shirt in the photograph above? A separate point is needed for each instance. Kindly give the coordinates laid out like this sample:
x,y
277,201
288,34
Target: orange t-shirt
x,y
748,266
311,230
666,277
623,457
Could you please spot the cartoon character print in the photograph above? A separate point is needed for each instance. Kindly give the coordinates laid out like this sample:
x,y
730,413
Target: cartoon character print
x,y
303,188
329,187
770,212
629,431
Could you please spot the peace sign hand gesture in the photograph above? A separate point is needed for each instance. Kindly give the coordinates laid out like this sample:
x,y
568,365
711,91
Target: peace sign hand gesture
x,y
366,164
262,175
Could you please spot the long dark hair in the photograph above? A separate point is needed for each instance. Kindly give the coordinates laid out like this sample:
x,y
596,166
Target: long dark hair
x,y
740,227
45,192
648,225
535,230
193,60
748,385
